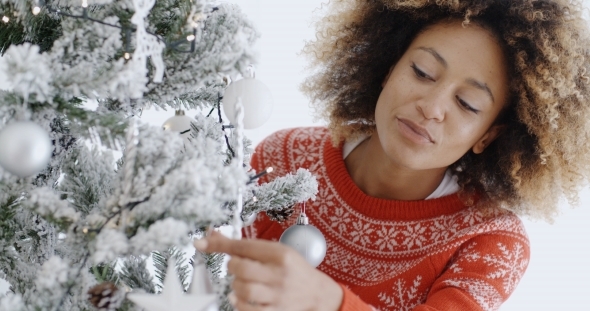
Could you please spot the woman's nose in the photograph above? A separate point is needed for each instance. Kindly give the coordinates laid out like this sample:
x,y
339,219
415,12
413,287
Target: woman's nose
x,y
434,105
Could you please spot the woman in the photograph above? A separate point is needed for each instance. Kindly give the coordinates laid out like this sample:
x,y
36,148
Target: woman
x,y
446,120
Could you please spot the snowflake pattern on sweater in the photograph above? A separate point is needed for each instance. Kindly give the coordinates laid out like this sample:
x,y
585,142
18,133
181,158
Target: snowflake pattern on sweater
x,y
485,294
437,254
404,298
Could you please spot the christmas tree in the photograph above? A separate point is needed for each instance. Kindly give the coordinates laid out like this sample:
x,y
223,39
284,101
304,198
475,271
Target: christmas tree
x,y
87,192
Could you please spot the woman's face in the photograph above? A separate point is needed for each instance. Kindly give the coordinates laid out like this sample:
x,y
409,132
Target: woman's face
x,y
442,97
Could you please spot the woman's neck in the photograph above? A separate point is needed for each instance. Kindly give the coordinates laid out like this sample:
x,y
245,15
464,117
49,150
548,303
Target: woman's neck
x,y
379,177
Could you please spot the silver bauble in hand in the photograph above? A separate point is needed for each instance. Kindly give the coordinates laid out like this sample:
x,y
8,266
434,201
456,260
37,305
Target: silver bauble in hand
x,y
307,240
25,148
256,100
179,123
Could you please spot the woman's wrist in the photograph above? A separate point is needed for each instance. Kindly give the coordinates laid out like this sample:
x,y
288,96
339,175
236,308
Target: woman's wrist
x,y
329,294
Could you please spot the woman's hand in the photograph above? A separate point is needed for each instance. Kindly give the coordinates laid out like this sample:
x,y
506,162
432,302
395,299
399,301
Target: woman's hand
x,y
270,276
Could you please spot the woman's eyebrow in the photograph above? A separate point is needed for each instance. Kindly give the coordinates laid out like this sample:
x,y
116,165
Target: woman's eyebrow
x,y
434,53
477,84
482,86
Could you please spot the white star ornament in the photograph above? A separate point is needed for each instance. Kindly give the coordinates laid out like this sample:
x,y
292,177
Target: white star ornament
x,y
173,297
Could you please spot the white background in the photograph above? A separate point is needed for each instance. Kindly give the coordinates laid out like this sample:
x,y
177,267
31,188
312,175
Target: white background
x,y
558,274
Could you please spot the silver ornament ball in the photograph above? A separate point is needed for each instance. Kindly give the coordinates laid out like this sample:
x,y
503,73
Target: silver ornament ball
x,y
256,99
307,240
179,123
25,148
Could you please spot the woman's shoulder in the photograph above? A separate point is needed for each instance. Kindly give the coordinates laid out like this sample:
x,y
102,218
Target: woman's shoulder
x,y
289,149
296,135
494,220
289,143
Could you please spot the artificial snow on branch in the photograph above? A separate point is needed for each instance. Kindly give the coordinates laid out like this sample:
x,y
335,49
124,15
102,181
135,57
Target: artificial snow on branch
x,y
109,197
281,193
29,72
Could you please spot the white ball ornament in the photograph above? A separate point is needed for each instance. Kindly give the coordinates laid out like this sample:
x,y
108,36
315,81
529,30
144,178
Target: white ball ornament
x,y
256,99
307,240
179,123
25,148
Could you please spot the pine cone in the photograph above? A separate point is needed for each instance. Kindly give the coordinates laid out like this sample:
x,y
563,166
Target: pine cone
x,y
281,215
105,296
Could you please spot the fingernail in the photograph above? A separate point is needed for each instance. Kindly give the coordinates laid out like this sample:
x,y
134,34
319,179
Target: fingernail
x,y
201,244
232,298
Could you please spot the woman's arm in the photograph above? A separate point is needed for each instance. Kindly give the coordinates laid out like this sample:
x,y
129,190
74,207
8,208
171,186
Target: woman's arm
x,y
352,302
483,274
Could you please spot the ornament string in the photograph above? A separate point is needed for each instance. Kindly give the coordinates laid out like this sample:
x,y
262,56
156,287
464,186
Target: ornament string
x,y
239,160
239,131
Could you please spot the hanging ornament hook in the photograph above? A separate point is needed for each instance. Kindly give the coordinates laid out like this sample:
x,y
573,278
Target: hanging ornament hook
x,y
238,224
306,239
251,72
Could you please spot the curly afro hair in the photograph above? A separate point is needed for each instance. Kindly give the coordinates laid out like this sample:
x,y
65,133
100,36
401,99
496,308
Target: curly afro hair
x,y
544,153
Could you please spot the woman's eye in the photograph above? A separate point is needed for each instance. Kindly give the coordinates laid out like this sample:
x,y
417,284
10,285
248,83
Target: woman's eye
x,y
466,105
419,73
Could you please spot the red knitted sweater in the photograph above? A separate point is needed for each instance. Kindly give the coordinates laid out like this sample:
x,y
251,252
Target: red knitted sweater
x,y
422,255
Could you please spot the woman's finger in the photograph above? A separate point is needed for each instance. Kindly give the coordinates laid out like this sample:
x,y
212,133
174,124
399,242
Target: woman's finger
x,y
253,271
254,292
260,250
241,305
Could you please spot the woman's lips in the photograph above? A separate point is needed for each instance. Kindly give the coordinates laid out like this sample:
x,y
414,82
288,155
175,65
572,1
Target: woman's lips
x,y
414,131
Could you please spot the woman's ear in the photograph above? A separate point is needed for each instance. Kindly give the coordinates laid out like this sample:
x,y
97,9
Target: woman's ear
x,y
387,76
493,132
